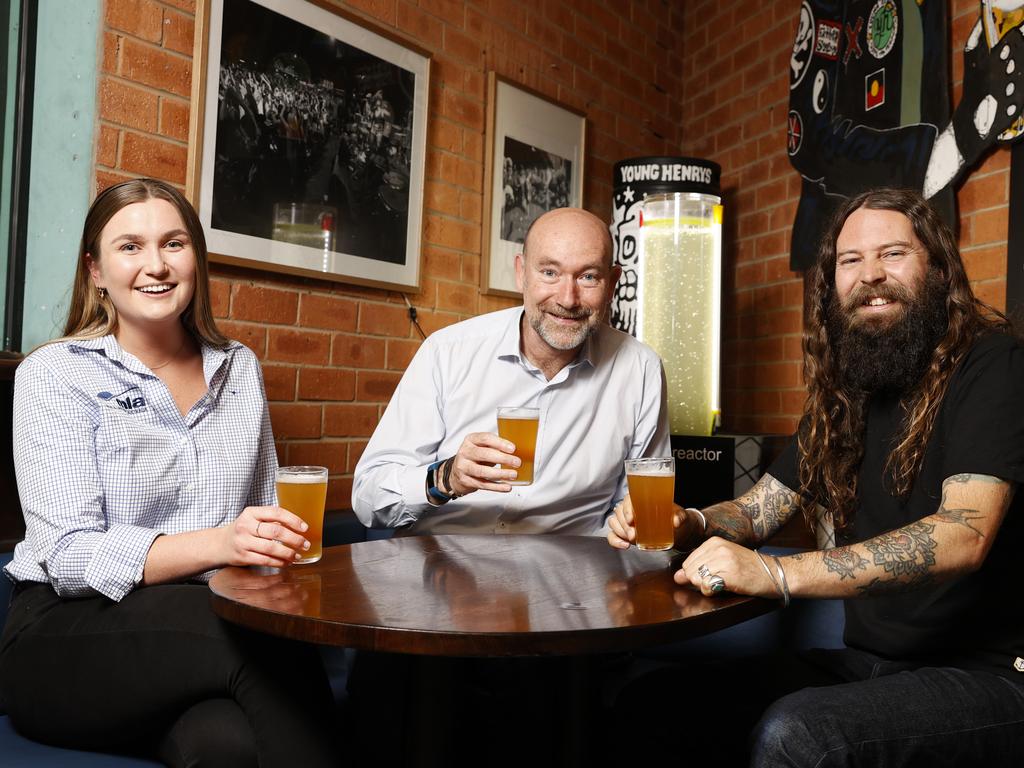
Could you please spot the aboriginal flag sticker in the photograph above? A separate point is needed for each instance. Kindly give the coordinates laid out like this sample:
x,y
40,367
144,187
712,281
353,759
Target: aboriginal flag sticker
x,y
874,90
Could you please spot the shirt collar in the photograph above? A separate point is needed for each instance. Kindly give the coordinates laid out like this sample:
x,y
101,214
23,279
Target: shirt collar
x,y
510,345
213,357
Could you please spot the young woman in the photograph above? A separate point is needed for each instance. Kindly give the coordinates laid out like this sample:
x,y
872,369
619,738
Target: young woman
x,y
145,460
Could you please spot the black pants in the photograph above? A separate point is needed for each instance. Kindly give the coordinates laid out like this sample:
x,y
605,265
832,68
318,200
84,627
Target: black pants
x,y
824,708
159,674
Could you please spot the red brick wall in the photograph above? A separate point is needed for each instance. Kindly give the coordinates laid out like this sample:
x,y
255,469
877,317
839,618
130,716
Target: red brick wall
x,y
711,81
332,354
735,102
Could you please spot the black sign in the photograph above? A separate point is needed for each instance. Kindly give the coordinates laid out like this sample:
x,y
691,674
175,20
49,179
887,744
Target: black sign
x,y
704,469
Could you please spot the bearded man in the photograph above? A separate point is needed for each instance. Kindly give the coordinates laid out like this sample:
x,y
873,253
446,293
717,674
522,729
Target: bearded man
x,y
435,464
906,462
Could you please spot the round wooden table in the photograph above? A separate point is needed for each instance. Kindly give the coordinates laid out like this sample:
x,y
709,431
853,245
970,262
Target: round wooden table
x,y
491,595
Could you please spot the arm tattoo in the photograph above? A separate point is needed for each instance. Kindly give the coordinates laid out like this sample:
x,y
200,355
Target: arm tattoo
x,y
844,561
907,555
723,521
962,516
967,477
767,505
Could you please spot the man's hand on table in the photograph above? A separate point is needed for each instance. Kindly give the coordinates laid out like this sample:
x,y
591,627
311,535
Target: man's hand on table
x,y
740,568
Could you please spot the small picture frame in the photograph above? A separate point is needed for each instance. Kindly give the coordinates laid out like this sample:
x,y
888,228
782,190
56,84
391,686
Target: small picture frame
x,y
533,163
307,143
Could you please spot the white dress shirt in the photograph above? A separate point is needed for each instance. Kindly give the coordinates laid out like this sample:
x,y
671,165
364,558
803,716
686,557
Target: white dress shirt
x,y
106,462
607,406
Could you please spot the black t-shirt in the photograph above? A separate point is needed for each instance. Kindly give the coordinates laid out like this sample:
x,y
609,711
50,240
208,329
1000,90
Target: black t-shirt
x,y
973,621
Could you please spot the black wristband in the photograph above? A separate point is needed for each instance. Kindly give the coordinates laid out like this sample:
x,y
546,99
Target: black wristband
x,y
433,491
447,475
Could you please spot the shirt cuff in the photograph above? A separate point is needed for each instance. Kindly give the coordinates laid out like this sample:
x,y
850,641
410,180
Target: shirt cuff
x,y
117,564
413,483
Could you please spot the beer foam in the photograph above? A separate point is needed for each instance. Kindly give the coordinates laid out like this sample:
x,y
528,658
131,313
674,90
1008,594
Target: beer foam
x,y
650,473
303,479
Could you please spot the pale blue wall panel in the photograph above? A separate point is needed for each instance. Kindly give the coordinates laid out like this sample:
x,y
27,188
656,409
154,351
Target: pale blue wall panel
x,y
64,116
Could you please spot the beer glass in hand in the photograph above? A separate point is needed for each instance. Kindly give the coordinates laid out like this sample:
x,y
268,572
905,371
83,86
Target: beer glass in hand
x,y
519,426
303,492
651,488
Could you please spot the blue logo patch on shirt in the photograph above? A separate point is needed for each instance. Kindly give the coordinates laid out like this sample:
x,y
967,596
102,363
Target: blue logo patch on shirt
x,y
127,401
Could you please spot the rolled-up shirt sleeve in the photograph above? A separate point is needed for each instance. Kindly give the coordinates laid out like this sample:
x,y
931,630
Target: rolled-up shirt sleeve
x,y
389,488
61,493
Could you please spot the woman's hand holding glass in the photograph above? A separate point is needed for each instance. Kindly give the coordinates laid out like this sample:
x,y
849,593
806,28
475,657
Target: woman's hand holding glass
x,y
270,536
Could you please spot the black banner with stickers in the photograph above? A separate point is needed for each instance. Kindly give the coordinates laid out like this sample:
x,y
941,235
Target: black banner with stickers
x,y
868,98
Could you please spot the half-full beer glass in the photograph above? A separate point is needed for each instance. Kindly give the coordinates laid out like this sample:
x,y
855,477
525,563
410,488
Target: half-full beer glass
x,y
303,492
651,488
519,426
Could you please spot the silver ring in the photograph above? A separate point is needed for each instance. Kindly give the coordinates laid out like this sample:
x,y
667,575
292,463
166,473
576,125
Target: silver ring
x,y
258,524
716,584
703,572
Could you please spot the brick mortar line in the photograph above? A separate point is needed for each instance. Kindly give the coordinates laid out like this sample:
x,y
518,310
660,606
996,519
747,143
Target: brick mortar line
x,y
157,136
147,44
135,84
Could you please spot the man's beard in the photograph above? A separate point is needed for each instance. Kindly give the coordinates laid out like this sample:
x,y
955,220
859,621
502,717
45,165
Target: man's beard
x,y
558,337
889,355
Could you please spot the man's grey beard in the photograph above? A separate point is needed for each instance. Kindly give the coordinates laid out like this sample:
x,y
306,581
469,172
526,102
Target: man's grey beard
x,y
890,357
563,340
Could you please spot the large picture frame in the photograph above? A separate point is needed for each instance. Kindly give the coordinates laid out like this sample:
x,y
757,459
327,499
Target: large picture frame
x,y
307,142
533,163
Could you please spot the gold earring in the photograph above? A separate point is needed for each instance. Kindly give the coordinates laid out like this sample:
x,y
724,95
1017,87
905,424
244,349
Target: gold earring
x,y
102,292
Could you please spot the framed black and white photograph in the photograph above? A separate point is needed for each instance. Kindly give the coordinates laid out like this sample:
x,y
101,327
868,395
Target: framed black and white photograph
x,y
308,142
533,164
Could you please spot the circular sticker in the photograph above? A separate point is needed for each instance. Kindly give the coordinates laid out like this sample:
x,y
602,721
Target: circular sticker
x,y
794,132
803,46
883,26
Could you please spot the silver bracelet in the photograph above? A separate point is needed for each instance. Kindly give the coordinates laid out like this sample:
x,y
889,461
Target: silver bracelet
x,y
703,520
782,577
771,576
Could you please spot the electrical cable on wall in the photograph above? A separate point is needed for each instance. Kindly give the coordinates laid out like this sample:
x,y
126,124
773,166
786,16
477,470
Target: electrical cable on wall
x,y
412,316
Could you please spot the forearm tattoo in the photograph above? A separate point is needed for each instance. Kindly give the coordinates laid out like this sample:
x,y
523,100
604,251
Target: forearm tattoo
x,y
767,506
725,521
844,561
907,555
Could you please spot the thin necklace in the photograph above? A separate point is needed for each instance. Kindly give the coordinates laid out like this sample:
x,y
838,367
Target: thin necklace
x,y
172,357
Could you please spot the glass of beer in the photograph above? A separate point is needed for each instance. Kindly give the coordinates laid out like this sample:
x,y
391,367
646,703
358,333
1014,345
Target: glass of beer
x,y
652,485
519,426
303,492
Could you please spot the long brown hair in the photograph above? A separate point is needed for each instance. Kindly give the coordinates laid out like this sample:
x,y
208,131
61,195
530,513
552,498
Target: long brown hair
x,y
91,314
832,430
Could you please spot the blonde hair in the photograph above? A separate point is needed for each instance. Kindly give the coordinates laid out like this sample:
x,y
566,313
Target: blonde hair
x,y
91,313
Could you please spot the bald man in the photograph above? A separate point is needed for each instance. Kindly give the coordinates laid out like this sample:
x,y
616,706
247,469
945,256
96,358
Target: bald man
x,y
435,463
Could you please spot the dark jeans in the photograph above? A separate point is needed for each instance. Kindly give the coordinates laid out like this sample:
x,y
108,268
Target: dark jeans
x,y
895,714
159,674
825,708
